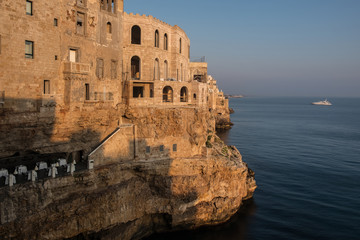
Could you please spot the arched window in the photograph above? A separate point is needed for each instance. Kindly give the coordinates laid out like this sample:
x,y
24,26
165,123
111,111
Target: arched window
x,y
195,96
167,94
156,38
135,68
166,70
180,43
136,35
108,28
165,42
183,94
156,69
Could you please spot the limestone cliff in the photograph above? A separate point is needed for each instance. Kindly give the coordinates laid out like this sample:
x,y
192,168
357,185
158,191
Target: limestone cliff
x,y
130,200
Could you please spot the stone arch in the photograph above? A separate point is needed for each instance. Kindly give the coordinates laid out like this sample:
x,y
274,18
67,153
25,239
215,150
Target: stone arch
x,y
156,69
168,94
135,67
135,35
184,94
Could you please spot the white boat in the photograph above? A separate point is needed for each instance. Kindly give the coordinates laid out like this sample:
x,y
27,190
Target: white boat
x,y
325,103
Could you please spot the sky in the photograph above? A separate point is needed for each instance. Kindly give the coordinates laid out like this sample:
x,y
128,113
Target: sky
x,y
270,47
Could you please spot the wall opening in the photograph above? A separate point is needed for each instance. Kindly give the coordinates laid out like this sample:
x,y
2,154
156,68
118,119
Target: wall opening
x,y
157,38
194,96
29,8
184,94
138,92
80,23
113,69
108,28
180,47
29,49
135,35
87,91
135,68
167,94
46,86
166,70
165,42
174,147
100,68
156,69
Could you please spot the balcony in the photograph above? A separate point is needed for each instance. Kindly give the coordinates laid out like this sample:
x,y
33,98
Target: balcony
x,y
76,68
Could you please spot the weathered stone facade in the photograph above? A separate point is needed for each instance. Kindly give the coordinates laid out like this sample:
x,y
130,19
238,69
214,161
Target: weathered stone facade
x,y
114,93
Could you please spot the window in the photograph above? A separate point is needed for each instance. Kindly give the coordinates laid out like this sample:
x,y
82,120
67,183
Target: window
x,y
46,86
194,96
167,94
56,57
113,69
108,5
87,91
174,147
165,42
135,68
183,94
162,148
166,70
29,8
73,55
180,45
157,38
29,49
80,23
156,70
138,92
55,22
100,68
135,35
181,73
108,28
147,149
113,6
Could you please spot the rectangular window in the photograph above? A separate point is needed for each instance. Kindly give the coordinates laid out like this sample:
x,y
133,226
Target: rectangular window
x,y
174,147
46,86
29,49
87,91
73,55
147,149
29,10
80,23
55,22
161,148
100,68
113,69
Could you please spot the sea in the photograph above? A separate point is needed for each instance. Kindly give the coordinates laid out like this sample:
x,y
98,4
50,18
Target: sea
x,y
306,160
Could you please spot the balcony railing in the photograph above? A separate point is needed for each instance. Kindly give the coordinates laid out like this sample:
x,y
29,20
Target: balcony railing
x,y
76,68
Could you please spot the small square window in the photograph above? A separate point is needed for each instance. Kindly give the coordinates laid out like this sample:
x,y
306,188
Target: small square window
x,y
29,49
161,148
147,149
29,10
55,22
56,57
174,147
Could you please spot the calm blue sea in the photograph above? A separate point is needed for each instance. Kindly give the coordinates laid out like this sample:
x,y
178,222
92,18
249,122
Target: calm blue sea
x,y
307,164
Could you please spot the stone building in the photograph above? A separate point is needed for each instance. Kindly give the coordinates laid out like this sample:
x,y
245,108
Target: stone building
x,y
72,70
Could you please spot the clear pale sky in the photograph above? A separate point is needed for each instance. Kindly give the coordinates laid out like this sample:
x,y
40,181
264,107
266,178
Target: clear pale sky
x,y
270,47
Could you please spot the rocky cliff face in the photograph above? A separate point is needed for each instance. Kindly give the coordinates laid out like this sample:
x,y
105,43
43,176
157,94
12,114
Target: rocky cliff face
x,y
129,200
202,184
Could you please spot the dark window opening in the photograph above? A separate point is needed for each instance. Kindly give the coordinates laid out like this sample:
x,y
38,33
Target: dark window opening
x,y
135,68
138,92
165,42
198,78
167,94
183,94
180,42
29,8
148,149
166,70
156,38
55,22
80,23
194,95
56,57
135,35
174,147
46,86
87,91
29,49
162,148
